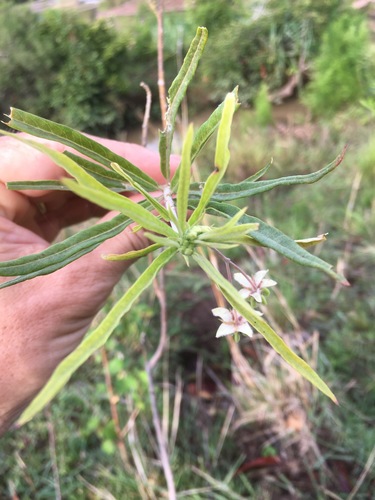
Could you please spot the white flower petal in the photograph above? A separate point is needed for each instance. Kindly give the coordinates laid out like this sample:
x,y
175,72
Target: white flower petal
x,y
242,280
245,293
225,329
257,296
267,283
259,275
223,313
246,329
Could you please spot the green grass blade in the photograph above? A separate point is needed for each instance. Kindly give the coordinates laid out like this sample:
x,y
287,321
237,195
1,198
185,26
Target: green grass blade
x,y
40,127
63,253
239,304
96,338
271,237
184,179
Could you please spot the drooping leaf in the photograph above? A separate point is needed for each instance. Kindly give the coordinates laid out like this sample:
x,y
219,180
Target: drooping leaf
x,y
239,304
245,189
63,253
271,237
97,338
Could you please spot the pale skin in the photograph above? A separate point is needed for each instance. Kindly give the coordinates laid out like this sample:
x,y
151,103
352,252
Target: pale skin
x,y
42,320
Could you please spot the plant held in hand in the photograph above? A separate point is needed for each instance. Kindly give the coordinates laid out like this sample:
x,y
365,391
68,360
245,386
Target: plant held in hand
x,y
174,222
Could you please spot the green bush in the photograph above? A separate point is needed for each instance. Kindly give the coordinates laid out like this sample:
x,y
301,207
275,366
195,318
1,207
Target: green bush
x,y
83,74
63,68
342,71
255,44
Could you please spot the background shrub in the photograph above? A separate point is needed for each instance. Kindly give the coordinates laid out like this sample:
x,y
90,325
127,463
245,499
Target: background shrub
x,y
342,71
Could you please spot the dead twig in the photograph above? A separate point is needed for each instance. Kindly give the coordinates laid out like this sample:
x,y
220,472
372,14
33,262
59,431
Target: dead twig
x,y
113,400
52,450
146,116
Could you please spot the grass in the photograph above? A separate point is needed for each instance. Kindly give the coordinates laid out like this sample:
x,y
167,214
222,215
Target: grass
x,y
240,423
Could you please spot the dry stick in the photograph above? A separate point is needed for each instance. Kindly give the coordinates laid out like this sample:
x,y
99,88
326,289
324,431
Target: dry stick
x,y
176,413
114,413
342,262
157,7
52,450
145,491
363,475
150,365
146,117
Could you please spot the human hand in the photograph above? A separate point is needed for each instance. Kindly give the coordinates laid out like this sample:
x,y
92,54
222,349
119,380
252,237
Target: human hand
x,y
44,319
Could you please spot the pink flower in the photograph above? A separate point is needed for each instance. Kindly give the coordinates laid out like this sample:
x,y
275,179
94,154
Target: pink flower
x,y
252,286
232,322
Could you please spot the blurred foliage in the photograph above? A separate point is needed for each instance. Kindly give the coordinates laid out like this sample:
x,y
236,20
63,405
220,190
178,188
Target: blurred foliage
x,y
343,71
263,107
260,41
83,74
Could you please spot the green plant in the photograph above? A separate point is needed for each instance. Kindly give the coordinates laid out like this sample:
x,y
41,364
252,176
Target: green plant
x,y
342,71
99,179
263,108
64,68
255,42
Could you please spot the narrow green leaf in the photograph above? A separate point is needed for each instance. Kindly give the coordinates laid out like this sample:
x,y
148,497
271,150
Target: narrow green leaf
x,y
239,304
203,134
91,189
40,127
271,237
114,201
222,153
245,189
36,185
309,242
95,339
176,93
135,254
184,179
138,188
105,176
260,172
63,253
221,158
180,84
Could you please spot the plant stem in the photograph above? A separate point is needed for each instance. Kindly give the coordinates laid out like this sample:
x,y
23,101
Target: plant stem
x,y
114,413
161,80
146,117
